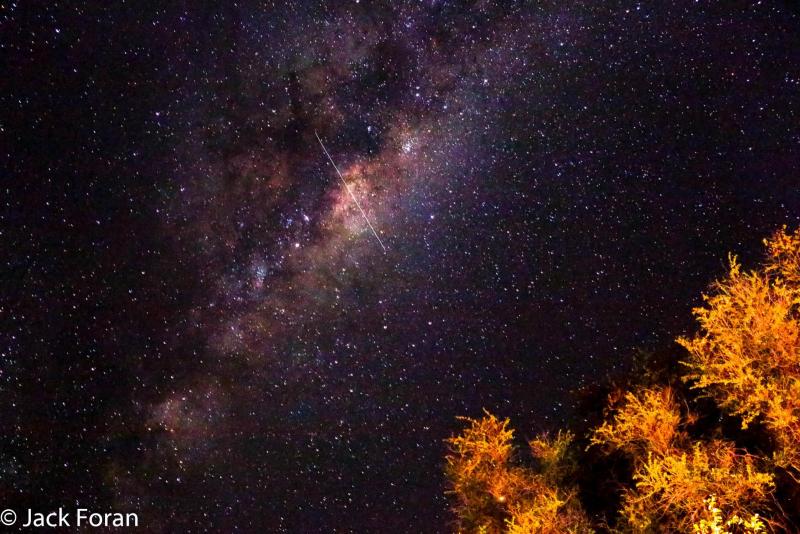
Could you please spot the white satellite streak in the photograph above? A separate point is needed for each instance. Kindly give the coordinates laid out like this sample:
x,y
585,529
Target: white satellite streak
x,y
346,186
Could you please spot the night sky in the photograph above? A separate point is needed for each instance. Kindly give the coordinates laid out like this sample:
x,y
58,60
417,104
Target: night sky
x,y
197,322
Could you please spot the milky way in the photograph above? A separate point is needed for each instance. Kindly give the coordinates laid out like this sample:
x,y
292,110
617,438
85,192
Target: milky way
x,y
200,325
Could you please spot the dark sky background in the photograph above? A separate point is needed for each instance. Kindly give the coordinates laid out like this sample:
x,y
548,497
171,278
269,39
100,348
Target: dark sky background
x,y
197,323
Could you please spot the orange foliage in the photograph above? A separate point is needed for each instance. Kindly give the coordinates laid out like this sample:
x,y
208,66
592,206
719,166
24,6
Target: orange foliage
x,y
715,522
747,353
674,475
746,356
647,421
493,495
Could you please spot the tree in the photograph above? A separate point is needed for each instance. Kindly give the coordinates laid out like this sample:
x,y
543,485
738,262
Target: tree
x,y
492,494
673,475
746,355
678,469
